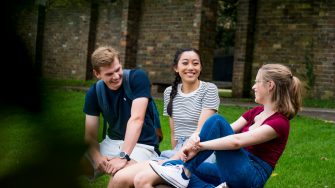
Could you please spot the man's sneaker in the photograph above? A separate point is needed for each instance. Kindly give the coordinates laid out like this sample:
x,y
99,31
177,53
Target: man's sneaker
x,y
222,185
174,175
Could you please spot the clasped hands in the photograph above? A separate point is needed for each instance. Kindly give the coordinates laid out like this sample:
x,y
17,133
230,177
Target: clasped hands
x,y
190,148
110,165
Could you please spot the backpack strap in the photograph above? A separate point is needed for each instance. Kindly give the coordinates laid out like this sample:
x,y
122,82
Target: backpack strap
x,y
126,84
102,100
100,90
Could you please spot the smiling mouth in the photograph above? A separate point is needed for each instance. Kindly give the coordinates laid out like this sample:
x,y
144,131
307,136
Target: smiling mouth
x,y
190,73
115,82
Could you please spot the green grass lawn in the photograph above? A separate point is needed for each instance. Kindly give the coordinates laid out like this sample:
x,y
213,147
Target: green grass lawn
x,y
308,161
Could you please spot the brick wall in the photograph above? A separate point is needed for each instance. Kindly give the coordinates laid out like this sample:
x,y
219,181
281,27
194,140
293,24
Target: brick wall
x,y
297,33
108,31
164,27
324,49
147,34
65,40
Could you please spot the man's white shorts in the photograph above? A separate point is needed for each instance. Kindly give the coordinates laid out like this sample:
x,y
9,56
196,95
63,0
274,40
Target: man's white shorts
x,y
141,152
112,148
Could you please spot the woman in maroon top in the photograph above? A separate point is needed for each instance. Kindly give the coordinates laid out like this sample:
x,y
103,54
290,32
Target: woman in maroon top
x,y
248,149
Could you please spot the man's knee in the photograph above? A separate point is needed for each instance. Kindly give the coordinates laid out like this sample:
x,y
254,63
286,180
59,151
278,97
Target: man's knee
x,y
140,180
119,179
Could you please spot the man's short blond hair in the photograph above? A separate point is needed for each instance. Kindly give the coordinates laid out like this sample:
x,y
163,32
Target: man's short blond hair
x,y
103,56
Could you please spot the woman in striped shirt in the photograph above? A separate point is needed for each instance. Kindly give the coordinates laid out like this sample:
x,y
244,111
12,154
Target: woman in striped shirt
x,y
189,101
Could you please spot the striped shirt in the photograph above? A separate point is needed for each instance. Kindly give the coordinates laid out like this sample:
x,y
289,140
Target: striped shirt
x,y
187,107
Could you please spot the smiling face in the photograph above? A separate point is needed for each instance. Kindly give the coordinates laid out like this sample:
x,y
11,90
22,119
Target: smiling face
x,y
188,67
111,74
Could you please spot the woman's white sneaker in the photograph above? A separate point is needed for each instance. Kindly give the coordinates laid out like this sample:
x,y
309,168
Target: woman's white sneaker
x,y
222,185
174,175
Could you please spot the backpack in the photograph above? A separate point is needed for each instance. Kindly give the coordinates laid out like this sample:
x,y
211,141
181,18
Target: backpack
x,y
100,89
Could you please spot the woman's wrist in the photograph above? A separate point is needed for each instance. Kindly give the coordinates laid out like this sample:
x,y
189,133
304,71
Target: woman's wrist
x,y
202,146
194,136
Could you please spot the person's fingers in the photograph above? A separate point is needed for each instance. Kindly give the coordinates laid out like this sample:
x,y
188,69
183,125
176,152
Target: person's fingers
x,y
114,170
109,158
109,168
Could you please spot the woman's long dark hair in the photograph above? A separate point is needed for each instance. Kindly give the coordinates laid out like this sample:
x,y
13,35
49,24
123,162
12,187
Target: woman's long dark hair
x,y
177,79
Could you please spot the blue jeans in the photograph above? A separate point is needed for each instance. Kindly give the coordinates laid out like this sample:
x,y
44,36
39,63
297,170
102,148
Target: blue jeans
x,y
166,154
238,168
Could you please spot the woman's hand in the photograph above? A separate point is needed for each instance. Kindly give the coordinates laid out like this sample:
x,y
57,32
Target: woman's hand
x,y
193,141
190,152
195,137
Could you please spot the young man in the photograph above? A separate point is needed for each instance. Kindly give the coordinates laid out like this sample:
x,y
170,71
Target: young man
x,y
131,134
